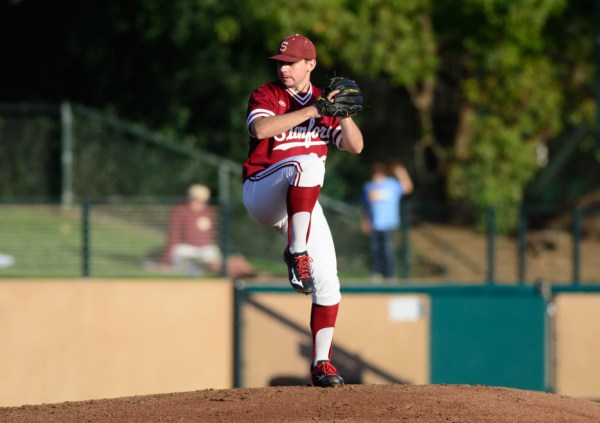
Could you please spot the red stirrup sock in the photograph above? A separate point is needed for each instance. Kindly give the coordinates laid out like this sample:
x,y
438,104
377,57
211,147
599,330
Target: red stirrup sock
x,y
301,199
322,324
300,204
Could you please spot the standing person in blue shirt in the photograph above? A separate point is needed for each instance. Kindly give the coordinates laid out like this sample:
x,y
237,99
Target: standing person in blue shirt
x,y
381,214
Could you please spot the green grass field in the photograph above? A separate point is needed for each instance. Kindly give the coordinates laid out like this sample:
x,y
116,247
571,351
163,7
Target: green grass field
x,y
48,241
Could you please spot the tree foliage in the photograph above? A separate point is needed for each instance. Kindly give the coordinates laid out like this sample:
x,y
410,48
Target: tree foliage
x,y
508,75
512,103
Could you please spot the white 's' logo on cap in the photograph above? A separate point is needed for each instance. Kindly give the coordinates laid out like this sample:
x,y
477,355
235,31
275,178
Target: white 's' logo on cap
x,y
283,46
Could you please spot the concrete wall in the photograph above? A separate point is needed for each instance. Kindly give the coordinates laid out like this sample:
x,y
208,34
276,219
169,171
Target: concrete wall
x,y
577,345
86,339
379,338
79,340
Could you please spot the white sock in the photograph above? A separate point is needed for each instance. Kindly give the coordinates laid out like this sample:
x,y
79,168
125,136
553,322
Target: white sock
x,y
323,341
300,224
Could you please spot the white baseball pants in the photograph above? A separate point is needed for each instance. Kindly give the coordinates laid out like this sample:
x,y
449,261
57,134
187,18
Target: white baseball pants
x,y
264,195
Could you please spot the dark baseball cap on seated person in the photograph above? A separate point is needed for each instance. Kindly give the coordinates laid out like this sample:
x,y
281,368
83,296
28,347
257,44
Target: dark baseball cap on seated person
x,y
294,48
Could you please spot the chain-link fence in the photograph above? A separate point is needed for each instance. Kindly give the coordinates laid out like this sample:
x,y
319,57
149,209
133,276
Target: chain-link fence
x,y
550,245
88,194
72,152
128,237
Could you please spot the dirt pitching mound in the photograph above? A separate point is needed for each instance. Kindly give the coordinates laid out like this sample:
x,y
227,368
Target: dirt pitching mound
x,y
352,403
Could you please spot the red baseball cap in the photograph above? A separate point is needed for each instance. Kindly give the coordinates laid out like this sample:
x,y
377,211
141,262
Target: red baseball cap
x,y
294,48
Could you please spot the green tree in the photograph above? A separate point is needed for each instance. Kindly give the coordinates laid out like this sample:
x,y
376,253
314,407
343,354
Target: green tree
x,y
509,88
508,74
512,103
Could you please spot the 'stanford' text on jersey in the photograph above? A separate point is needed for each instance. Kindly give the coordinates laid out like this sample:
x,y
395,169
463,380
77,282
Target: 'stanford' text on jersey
x,y
311,136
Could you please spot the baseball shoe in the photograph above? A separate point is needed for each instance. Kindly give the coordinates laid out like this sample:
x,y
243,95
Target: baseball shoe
x,y
299,271
324,375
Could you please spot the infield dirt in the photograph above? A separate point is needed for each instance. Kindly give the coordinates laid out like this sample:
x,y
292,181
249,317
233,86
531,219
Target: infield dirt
x,y
351,403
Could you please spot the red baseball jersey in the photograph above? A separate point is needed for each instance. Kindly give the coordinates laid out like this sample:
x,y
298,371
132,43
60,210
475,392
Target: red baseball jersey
x,y
187,226
311,136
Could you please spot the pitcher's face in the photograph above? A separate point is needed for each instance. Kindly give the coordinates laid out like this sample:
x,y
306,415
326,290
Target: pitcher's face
x,y
296,75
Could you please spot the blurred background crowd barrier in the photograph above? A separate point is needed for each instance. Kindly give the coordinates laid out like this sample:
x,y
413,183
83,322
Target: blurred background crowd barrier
x,y
126,238
118,183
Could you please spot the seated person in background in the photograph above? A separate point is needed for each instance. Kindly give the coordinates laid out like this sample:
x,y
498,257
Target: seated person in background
x,y
191,247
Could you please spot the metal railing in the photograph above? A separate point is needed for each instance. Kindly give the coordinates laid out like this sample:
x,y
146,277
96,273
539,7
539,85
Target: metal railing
x,y
123,238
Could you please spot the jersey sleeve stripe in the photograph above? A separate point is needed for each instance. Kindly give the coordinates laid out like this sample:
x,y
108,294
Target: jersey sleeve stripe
x,y
256,113
336,137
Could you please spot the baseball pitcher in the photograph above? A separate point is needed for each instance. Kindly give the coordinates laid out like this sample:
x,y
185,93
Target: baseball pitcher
x,y
292,125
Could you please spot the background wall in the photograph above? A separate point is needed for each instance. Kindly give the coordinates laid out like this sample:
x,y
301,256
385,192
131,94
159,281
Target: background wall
x,y
577,345
70,340
378,339
78,340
